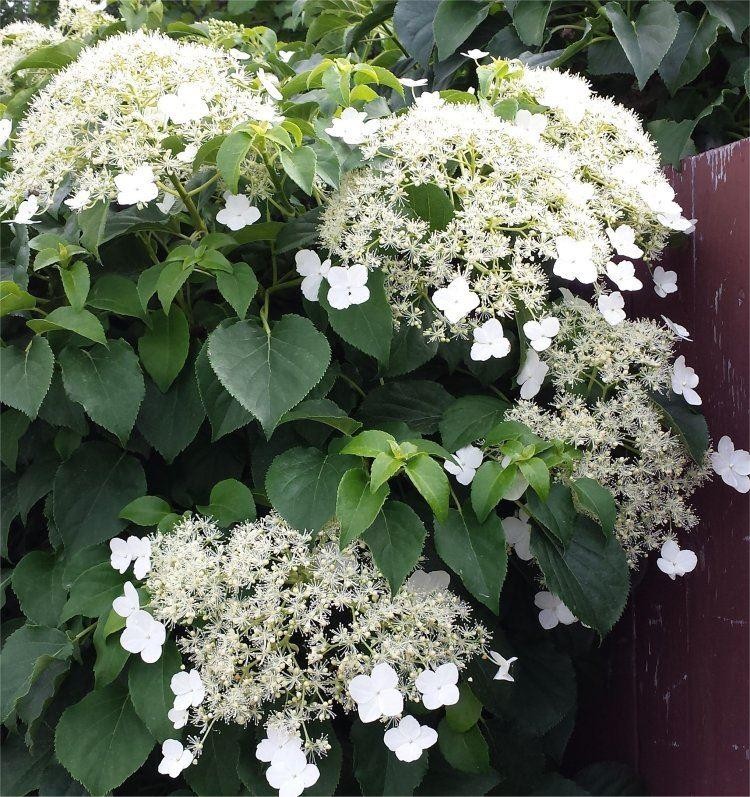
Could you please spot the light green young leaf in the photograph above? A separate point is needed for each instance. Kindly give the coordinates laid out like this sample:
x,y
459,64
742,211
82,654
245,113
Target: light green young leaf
x,y
356,506
76,283
82,322
238,288
431,481
489,485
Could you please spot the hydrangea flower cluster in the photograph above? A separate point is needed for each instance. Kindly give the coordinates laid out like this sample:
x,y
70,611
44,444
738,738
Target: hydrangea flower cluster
x,y
604,376
18,40
82,17
279,627
543,191
107,115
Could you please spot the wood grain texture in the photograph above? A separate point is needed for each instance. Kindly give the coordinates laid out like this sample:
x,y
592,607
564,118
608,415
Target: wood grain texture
x,y
674,703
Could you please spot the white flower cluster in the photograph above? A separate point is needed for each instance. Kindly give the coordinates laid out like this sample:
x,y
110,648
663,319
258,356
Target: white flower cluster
x,y
108,114
278,626
82,17
620,432
18,40
609,149
568,189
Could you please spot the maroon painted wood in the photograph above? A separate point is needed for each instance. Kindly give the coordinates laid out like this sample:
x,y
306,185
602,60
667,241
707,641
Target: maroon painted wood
x,y
675,701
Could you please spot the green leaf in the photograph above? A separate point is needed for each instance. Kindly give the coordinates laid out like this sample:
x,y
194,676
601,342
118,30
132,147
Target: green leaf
x,y
299,232
598,500
229,158
225,414
150,693
92,223
163,348
238,288
467,752
116,294
51,57
93,591
76,283
413,23
26,653
13,426
82,322
732,14
470,418
302,484
22,771
215,773
396,539
111,656
300,164
455,21
689,54
269,375
370,443
230,502
647,39
148,510
431,204
367,326
89,491
431,481
536,473
688,425
37,582
410,349
356,506
417,403
384,467
14,299
557,513
322,411
25,376
591,576
101,741
476,552
529,19
172,276
377,769
462,716
107,382
171,420
489,485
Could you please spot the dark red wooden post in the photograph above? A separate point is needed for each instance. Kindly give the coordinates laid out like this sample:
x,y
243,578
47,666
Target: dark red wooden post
x,y
675,702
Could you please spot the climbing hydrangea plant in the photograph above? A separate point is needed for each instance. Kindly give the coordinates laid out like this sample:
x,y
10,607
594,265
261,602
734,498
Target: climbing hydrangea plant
x,y
327,435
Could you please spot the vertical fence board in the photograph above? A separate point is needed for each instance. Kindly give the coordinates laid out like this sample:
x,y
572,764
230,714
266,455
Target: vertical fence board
x,y
675,703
